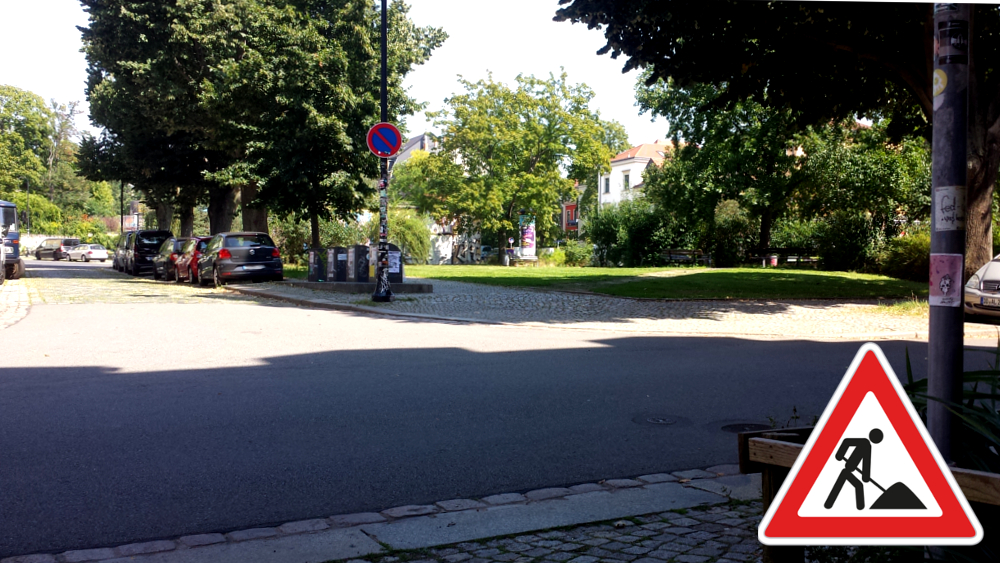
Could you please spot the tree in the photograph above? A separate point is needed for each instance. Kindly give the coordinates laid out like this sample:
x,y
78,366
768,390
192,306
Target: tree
x,y
513,145
744,151
60,146
827,61
24,130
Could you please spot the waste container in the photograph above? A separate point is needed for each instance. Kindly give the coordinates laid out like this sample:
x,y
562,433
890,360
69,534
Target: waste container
x,y
357,263
317,264
336,264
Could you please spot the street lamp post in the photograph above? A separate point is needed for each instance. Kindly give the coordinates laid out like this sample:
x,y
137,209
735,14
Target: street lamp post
x,y
383,293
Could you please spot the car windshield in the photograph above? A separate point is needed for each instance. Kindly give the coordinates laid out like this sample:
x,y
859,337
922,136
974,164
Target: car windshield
x,y
236,241
154,239
9,219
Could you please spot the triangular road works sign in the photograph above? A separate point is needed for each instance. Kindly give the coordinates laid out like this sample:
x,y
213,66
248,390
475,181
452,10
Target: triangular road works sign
x,y
869,473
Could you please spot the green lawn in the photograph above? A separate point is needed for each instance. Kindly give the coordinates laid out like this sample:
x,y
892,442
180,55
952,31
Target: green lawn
x,y
685,283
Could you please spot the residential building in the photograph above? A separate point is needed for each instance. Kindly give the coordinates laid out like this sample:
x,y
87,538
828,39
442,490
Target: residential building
x,y
570,219
423,142
624,181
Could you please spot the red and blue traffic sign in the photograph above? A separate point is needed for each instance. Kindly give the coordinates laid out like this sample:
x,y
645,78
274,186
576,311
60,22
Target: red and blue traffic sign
x,y
384,140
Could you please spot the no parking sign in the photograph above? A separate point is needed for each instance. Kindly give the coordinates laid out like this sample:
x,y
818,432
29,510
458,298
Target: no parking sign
x,y
384,140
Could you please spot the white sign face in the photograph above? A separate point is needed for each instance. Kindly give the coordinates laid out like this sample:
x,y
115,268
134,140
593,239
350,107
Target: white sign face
x,y
394,259
889,464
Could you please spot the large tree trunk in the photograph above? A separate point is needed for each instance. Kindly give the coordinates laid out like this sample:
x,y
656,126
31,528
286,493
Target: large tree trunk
x,y
254,215
164,215
314,224
187,221
221,209
984,160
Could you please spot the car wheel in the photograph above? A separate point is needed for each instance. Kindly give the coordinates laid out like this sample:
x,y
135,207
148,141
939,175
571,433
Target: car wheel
x,y
156,273
86,258
38,256
18,270
216,280
102,261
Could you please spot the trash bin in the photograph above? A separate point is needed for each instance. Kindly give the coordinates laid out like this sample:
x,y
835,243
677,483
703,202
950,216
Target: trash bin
x,y
317,264
357,263
336,264
772,260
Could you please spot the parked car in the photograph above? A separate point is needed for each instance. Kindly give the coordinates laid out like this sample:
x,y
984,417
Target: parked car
x,y
55,248
118,260
186,265
163,262
239,256
982,291
88,252
142,248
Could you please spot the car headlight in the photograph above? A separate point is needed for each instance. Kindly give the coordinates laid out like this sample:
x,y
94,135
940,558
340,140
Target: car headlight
x,y
973,282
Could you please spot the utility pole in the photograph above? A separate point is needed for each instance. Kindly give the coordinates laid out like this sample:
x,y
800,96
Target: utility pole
x,y
948,188
383,293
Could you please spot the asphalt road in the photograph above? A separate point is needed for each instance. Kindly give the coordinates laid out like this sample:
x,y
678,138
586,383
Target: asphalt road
x,y
147,419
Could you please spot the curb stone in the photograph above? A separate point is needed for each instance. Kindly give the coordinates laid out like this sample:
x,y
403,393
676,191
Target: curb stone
x,y
374,525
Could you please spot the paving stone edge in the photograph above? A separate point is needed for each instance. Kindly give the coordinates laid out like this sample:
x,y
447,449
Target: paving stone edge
x,y
389,515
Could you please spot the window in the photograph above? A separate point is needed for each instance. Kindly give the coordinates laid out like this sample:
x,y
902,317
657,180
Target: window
x,y
236,241
625,184
9,219
607,185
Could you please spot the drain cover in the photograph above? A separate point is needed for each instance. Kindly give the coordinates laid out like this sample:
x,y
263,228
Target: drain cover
x,y
662,420
745,427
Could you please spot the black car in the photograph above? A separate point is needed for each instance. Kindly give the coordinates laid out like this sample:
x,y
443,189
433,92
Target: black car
x,y
121,249
163,262
142,248
239,256
55,248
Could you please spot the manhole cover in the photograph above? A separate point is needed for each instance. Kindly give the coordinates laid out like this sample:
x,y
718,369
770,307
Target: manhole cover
x,y
745,427
661,420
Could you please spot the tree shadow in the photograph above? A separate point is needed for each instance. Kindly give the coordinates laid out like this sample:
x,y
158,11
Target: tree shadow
x,y
98,457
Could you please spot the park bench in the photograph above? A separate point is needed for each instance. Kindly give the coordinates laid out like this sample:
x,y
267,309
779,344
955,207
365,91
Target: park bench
x,y
676,255
772,453
797,256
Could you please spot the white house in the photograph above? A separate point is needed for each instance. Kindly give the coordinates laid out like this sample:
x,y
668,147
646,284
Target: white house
x,y
625,179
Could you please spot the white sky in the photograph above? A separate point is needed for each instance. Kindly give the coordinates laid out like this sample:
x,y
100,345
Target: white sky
x,y
41,53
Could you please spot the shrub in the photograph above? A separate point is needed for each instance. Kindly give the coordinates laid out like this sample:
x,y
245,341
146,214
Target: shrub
x,y
555,258
577,253
908,257
849,242
795,234
92,230
734,235
628,234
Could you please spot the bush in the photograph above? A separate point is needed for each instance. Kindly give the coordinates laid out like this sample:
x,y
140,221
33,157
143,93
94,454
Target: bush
x,y
555,258
849,242
577,253
735,234
908,257
628,234
795,234
92,230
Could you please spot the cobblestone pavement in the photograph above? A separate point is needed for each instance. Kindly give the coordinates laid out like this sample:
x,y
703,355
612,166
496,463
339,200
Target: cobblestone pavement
x,y
724,533
13,302
760,319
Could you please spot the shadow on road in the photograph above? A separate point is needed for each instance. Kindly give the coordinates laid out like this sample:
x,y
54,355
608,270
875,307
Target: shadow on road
x,y
96,457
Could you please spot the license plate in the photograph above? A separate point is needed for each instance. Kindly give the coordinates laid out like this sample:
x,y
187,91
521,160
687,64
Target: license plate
x,y
10,249
990,301
253,267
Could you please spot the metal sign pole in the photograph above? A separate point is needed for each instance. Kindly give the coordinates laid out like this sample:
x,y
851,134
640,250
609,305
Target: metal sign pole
x,y
948,188
383,293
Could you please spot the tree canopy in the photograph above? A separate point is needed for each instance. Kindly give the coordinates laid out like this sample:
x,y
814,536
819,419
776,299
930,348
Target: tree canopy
x,y
508,148
25,126
827,61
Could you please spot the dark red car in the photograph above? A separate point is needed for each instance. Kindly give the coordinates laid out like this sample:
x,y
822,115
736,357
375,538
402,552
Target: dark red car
x,y
186,266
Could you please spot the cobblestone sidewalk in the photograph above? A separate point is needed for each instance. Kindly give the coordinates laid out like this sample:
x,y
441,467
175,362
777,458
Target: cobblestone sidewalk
x,y
756,319
14,302
724,533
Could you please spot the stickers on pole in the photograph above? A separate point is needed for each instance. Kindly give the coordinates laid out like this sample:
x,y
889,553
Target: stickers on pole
x,y
949,208
869,473
945,280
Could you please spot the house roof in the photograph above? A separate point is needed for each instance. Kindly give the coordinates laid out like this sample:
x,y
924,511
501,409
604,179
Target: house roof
x,y
657,151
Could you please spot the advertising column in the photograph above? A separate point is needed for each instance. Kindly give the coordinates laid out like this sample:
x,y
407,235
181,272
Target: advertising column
x,y
527,224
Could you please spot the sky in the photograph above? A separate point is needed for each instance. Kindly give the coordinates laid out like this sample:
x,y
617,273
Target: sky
x,y
41,48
